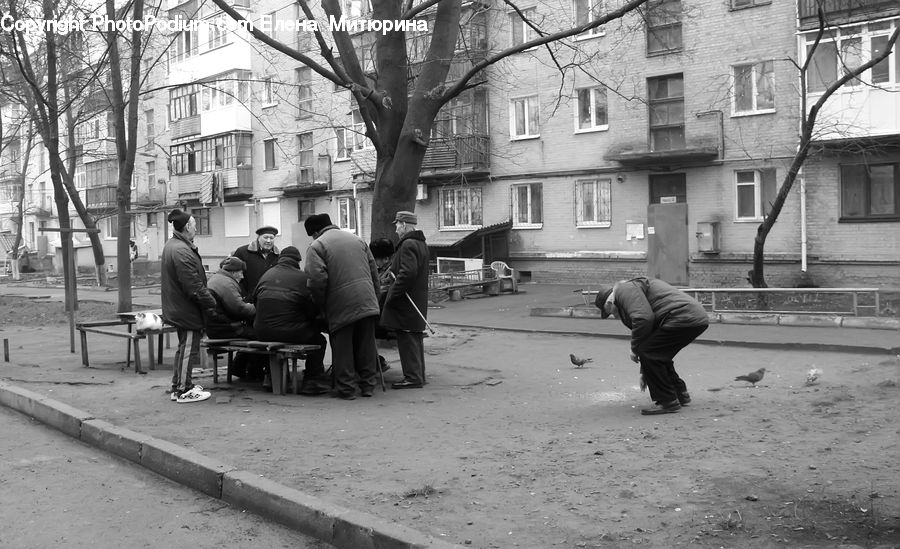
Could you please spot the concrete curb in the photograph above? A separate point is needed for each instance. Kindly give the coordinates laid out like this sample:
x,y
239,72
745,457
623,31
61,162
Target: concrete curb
x,y
780,319
703,340
343,528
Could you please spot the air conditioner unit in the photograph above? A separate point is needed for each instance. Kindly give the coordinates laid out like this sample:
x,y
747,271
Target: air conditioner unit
x,y
421,192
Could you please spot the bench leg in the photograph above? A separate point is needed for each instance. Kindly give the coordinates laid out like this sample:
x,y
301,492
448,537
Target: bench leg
x,y
206,356
137,357
84,350
150,351
294,381
275,374
230,362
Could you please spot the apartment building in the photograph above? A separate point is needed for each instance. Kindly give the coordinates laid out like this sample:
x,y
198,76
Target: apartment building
x,y
659,150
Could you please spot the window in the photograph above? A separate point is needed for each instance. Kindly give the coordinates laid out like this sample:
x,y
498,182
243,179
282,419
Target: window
x,y
738,4
218,34
225,90
183,102
523,118
352,138
754,194
151,127
521,32
844,49
201,216
151,175
754,88
305,158
663,26
305,208
870,192
269,148
304,92
590,110
355,8
666,95
461,207
585,12
592,203
268,91
527,207
223,151
183,47
112,227
347,213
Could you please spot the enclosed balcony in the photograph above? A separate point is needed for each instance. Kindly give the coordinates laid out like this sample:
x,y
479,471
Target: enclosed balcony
x,y
844,11
456,154
97,198
234,183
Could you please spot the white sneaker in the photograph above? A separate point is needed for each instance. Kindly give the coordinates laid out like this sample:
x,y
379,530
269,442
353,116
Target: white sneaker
x,y
173,396
194,395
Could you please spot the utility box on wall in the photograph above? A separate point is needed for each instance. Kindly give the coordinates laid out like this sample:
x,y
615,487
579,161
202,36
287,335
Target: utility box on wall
x,y
708,237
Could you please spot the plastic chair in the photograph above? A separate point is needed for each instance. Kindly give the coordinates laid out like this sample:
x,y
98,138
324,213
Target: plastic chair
x,y
504,272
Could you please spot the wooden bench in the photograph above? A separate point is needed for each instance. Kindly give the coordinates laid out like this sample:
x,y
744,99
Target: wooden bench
x,y
278,352
107,327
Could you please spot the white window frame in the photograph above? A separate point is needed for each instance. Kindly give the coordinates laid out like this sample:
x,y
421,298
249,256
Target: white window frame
x,y
526,208
218,34
355,135
268,92
527,33
346,218
595,96
304,92
593,7
756,184
530,104
601,187
473,198
305,165
267,145
865,33
755,69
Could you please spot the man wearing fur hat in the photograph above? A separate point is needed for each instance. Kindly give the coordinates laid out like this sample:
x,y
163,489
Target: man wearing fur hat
x,y
406,300
343,279
235,315
258,256
663,320
186,303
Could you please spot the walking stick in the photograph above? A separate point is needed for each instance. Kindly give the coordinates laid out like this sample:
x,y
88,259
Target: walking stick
x,y
413,303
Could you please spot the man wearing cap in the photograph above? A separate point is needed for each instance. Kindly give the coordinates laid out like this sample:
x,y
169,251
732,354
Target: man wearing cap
x,y
186,303
343,279
234,315
663,320
259,256
285,311
406,300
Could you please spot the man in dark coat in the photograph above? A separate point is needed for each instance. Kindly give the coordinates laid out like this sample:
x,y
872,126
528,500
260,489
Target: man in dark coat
x,y
234,315
663,320
285,311
344,282
259,256
406,301
186,301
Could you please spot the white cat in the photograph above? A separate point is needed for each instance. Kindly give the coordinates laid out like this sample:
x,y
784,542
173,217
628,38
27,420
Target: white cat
x,y
147,321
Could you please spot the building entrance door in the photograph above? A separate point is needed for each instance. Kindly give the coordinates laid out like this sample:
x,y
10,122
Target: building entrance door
x,y
667,229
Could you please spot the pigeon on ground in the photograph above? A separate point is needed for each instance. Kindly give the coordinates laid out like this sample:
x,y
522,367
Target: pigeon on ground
x,y
812,376
579,362
752,377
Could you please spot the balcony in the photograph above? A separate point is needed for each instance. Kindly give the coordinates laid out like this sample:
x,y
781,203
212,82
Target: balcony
x,y
236,182
97,198
448,156
142,196
185,127
845,11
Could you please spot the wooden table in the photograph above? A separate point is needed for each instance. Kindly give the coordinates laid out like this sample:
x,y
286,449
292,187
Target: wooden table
x,y
112,328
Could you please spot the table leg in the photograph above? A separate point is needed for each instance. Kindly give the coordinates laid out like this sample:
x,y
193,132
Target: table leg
x,y
230,362
137,357
84,350
150,351
159,354
294,377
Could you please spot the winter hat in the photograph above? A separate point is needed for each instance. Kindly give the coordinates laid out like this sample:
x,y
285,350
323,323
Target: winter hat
x,y
232,264
602,296
291,252
381,248
268,229
406,217
316,223
179,219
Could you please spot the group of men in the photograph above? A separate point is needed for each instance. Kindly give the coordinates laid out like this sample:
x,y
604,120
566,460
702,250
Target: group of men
x,y
261,292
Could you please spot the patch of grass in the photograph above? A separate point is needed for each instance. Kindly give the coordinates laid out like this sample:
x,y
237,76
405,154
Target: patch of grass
x,y
422,492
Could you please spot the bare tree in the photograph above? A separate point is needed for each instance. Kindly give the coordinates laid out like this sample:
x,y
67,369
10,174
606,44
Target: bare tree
x,y
399,114
807,134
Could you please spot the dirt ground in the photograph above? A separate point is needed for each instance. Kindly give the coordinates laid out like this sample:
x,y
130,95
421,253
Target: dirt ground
x,y
509,445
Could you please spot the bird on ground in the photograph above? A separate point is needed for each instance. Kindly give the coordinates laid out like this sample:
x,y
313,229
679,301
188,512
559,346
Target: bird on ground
x,y
812,376
752,377
579,362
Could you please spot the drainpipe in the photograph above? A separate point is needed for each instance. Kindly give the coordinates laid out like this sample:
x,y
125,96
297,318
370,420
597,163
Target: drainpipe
x,y
802,221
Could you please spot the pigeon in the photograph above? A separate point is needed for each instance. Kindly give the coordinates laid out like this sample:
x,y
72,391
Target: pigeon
x,y
812,376
752,377
579,362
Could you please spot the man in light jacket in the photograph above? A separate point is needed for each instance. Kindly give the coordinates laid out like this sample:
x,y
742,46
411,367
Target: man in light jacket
x,y
344,283
186,301
406,300
663,320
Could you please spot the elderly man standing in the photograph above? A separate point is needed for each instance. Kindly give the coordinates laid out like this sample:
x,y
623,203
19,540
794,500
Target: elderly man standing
x,y
185,301
663,320
259,256
235,315
406,301
344,282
